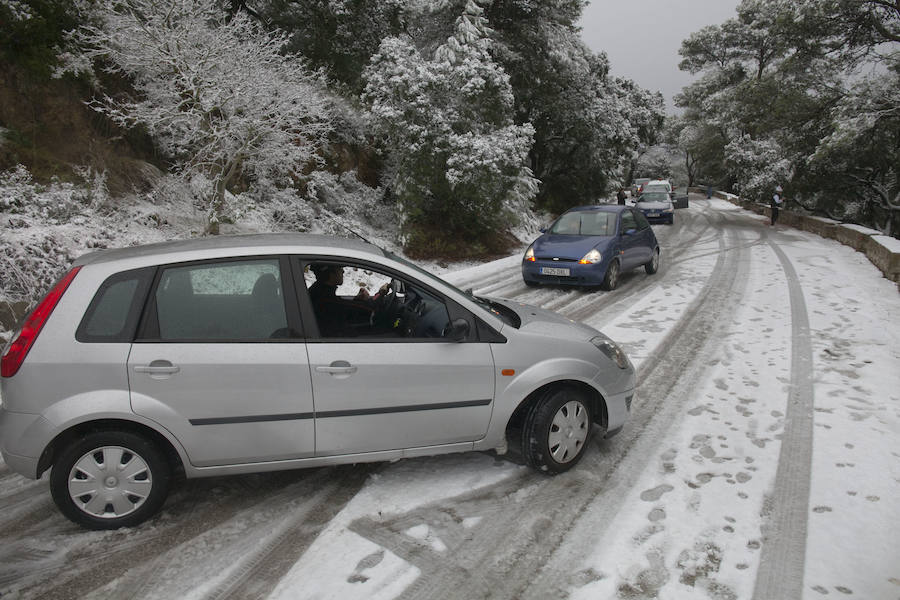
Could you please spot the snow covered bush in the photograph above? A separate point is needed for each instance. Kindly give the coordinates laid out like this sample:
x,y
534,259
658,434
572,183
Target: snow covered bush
x,y
759,166
54,203
214,91
458,163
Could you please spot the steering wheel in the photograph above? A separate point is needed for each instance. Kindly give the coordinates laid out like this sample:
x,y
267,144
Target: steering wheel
x,y
390,302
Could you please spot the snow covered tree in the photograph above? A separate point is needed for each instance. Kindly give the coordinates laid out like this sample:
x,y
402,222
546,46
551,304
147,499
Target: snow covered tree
x,y
588,125
338,36
759,165
785,82
215,92
458,163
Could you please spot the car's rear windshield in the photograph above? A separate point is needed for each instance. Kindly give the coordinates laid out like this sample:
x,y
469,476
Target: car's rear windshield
x,y
585,223
656,187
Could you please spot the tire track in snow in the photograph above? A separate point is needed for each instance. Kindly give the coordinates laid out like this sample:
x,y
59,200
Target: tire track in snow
x,y
780,574
258,575
525,539
101,564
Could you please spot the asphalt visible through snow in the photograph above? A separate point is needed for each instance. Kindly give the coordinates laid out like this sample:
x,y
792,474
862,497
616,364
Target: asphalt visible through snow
x,y
533,531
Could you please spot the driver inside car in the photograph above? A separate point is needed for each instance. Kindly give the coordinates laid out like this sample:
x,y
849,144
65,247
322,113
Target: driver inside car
x,y
340,316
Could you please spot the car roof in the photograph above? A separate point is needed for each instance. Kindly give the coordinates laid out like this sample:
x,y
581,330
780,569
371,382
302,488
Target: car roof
x,y
599,208
258,241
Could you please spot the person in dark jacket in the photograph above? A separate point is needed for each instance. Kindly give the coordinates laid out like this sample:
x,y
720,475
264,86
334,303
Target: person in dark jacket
x,y
621,196
334,313
777,201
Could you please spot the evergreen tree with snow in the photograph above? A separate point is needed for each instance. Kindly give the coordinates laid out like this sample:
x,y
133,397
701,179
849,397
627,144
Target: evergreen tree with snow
x,y
457,161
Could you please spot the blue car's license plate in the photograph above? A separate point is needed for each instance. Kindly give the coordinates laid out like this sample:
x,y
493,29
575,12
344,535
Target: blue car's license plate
x,y
554,271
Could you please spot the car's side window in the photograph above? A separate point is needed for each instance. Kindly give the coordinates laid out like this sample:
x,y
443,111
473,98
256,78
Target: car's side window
x,y
642,221
113,313
628,221
223,301
356,302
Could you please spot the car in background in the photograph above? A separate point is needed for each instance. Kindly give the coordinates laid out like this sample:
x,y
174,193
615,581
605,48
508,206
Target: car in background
x,y
637,186
243,354
591,246
658,185
656,206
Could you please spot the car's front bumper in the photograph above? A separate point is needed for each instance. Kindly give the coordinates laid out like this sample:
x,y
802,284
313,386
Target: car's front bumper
x,y
663,217
552,272
618,407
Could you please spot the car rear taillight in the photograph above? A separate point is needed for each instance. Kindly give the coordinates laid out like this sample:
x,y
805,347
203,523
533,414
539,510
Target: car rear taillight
x,y
34,322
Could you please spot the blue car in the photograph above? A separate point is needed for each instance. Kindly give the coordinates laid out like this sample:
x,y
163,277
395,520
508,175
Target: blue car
x,y
590,246
656,206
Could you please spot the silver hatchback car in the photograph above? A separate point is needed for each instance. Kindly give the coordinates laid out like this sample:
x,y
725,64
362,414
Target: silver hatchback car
x,y
243,354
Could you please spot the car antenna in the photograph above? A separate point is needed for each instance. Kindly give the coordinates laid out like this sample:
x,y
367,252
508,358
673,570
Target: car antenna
x,y
351,230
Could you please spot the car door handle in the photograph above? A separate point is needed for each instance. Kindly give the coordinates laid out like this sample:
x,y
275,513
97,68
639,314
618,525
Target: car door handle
x,y
338,367
157,367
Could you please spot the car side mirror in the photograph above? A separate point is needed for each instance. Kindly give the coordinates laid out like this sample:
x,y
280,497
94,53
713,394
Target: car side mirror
x,y
457,331
543,229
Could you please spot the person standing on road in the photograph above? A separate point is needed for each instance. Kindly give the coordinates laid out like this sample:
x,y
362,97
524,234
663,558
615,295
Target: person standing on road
x,y
621,196
777,200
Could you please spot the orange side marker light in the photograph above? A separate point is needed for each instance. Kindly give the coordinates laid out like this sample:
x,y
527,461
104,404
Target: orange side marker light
x,y
508,372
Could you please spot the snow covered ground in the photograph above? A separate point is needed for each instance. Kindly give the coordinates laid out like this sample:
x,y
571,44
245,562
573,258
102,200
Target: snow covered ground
x,y
762,460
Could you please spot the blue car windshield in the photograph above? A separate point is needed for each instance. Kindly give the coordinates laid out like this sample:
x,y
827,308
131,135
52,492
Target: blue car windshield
x,y
585,223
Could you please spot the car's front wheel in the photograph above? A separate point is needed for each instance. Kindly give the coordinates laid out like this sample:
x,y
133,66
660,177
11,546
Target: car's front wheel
x,y
109,479
556,431
611,279
653,266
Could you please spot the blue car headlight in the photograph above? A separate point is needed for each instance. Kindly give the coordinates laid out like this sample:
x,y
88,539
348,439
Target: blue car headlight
x,y
529,254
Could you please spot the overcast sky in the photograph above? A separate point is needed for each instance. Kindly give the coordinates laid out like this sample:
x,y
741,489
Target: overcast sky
x,y
642,37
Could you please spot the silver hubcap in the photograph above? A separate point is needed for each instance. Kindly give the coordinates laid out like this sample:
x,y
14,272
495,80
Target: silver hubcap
x,y
613,274
655,260
110,482
568,431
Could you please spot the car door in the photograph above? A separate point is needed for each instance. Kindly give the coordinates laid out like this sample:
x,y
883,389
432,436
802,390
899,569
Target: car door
x,y
220,362
647,240
394,383
631,239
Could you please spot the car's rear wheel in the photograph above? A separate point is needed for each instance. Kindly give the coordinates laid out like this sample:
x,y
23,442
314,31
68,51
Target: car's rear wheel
x,y
611,279
556,430
653,266
109,479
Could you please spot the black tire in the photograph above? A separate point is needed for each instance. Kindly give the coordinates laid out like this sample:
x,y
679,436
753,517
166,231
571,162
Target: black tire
x,y
130,499
531,283
653,266
611,279
557,430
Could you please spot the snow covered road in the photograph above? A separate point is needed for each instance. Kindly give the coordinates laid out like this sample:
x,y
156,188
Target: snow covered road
x,y
761,460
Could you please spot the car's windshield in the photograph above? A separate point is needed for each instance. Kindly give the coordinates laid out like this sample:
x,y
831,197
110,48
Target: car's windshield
x,y
657,187
494,309
585,223
653,197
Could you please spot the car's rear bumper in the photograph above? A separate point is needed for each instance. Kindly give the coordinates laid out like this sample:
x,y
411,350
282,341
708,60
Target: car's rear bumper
x,y
17,442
